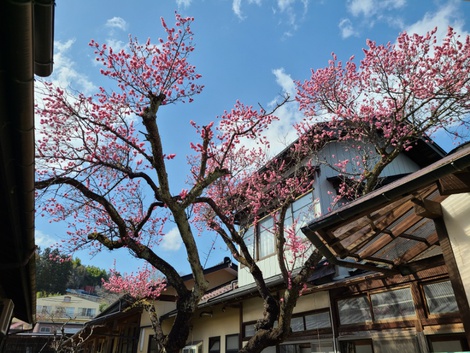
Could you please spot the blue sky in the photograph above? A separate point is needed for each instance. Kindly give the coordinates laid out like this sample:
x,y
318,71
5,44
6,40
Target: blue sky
x,y
247,50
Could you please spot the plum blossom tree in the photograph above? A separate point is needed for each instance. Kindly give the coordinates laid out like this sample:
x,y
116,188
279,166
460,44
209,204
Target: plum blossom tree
x,y
102,166
398,94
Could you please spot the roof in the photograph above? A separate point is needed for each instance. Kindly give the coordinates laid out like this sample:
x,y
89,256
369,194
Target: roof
x,y
391,230
226,264
26,37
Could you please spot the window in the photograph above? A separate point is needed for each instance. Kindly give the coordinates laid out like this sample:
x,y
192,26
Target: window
x,y
70,312
231,344
440,298
249,329
60,311
214,344
46,329
44,309
266,237
88,312
261,241
302,211
357,346
297,324
152,348
354,310
448,343
249,239
317,320
393,304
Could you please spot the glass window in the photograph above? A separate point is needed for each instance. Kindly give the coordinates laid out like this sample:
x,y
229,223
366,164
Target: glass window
x,y
397,345
214,344
322,346
60,311
249,239
266,237
249,330
302,210
317,320
448,343
70,312
152,348
354,310
231,343
358,346
440,298
394,304
297,324
89,312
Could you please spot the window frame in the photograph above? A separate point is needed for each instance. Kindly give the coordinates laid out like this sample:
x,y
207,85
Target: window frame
x,y
432,314
256,232
375,314
232,350
212,340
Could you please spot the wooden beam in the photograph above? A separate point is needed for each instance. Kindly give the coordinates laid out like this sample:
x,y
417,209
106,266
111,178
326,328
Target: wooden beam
x,y
454,275
454,183
421,265
427,208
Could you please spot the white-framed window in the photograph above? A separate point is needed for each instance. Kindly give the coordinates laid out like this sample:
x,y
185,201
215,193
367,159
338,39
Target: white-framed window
x,y
70,312
261,240
88,312
266,238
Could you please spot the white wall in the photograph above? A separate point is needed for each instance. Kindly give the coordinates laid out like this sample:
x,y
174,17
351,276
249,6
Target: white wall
x,y
456,209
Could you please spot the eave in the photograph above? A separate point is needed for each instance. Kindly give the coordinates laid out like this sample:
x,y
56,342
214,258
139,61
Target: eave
x,y
26,29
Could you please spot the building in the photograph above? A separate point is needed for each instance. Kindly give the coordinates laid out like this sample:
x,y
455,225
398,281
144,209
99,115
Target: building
x,y
64,311
390,280
57,318
125,327
26,37
395,276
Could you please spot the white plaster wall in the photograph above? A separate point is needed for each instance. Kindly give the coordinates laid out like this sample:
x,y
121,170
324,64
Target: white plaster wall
x,y
456,209
315,301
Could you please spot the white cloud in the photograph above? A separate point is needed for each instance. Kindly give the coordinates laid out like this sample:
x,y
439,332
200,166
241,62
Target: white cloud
x,y
284,4
370,8
236,7
289,10
65,73
447,15
347,29
285,81
44,240
172,240
117,22
116,44
183,3
281,133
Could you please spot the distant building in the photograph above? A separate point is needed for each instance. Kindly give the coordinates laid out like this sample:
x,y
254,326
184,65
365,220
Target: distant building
x,y
57,318
69,311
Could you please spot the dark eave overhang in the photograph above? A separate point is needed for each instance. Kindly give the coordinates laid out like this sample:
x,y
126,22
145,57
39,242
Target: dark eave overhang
x,y
26,37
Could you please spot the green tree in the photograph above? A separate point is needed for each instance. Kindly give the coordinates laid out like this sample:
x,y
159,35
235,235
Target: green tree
x,y
52,271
